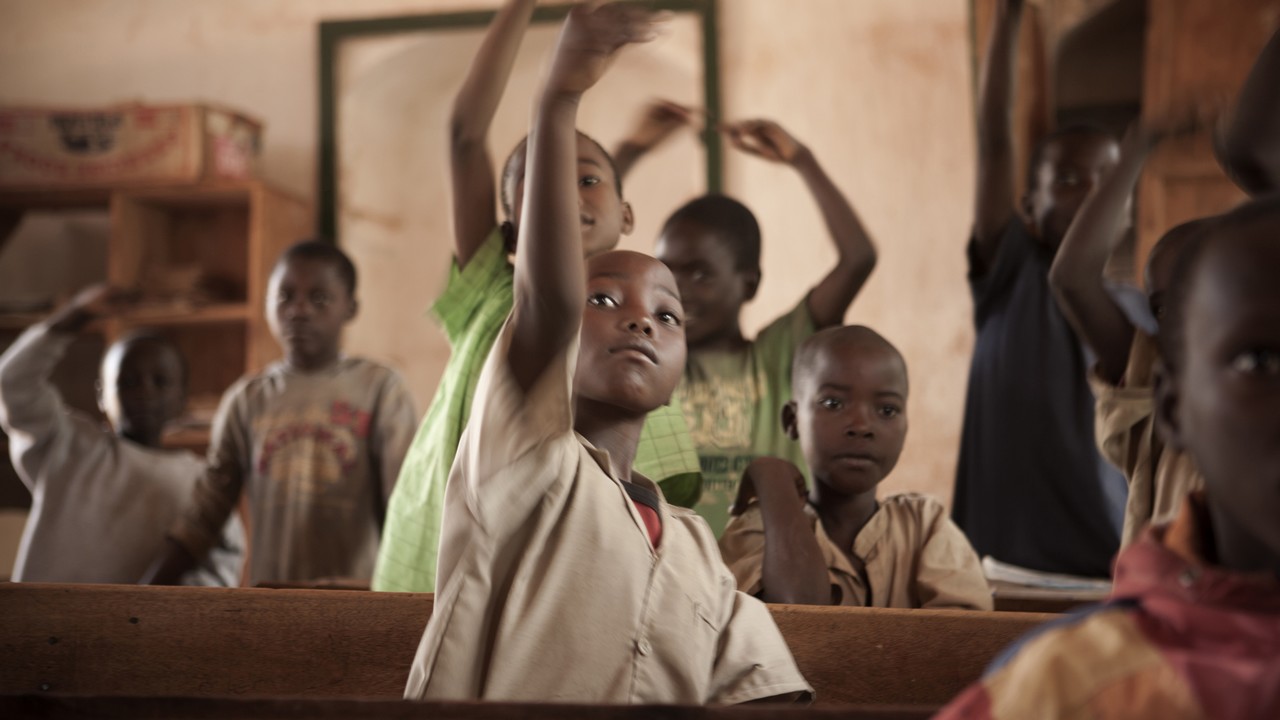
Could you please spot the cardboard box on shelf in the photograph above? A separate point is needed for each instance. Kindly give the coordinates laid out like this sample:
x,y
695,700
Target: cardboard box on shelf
x,y
144,144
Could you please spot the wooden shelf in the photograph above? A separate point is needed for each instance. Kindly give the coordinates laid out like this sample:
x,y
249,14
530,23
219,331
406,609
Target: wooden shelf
x,y
188,314
87,197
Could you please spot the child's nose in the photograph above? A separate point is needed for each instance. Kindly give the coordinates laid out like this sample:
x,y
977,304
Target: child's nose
x,y
641,324
859,423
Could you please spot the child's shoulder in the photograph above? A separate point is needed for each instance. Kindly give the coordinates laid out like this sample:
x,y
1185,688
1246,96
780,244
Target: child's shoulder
x,y
915,503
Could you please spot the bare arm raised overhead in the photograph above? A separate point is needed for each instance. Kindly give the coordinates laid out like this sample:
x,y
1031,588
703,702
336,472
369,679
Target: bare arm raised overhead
x,y
856,256
1077,272
659,120
1248,145
994,202
470,160
550,275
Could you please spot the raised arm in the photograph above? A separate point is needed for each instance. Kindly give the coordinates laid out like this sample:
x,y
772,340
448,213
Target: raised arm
x,y
793,570
658,122
994,202
470,161
32,412
856,256
1248,142
550,282
1077,272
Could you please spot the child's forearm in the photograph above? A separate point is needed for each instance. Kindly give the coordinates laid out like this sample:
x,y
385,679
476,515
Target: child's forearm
x,y
471,165
1249,145
793,569
477,101
994,202
550,286
831,297
1077,272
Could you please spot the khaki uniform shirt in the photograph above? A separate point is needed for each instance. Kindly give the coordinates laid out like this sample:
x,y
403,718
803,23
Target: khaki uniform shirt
x,y
915,558
549,588
1159,477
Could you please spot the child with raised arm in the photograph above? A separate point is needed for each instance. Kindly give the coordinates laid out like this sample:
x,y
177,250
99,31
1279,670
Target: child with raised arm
x,y
477,299
734,388
314,441
1124,372
564,575
102,498
837,544
1192,629
1031,487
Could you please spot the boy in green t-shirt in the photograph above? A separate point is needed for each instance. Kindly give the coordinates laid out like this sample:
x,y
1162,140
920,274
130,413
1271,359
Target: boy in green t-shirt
x,y
733,388
478,299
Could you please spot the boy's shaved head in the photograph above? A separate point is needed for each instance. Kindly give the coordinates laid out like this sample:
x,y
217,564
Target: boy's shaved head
x,y
1219,397
854,338
1158,274
143,386
848,409
632,348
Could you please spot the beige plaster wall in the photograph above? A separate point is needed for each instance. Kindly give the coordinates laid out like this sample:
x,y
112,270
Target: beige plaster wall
x,y
878,88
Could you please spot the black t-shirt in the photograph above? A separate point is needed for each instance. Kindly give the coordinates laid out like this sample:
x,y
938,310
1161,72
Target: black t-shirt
x,y
1031,487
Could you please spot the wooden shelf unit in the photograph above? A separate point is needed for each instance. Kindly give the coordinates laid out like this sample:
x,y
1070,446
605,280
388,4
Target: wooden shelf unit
x,y
168,241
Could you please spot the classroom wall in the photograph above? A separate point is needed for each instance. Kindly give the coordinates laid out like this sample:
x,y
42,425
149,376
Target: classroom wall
x,y
880,89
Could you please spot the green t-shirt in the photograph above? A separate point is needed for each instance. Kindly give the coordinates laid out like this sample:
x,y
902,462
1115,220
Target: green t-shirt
x,y
733,404
475,303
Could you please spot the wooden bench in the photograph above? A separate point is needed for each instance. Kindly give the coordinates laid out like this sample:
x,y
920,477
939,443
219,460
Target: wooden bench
x,y
97,708
103,640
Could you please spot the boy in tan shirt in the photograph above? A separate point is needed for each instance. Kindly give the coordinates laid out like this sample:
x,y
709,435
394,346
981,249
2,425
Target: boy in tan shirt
x,y
840,545
564,576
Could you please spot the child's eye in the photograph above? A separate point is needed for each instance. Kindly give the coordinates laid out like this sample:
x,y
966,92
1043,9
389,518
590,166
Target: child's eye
x,y
1258,362
699,275
320,299
589,180
890,411
830,403
601,300
283,297
669,318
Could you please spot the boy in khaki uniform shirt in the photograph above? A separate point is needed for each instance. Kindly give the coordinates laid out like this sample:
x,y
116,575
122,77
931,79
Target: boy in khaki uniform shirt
x,y
564,575
840,545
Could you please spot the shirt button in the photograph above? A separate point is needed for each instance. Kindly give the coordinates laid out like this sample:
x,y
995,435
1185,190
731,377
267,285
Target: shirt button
x,y
643,647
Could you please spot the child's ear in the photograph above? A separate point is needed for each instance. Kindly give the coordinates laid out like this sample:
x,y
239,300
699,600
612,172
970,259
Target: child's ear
x,y
352,308
1166,397
789,420
628,218
751,282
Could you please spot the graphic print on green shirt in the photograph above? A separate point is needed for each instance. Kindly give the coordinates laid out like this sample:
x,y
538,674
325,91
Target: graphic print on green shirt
x,y
733,404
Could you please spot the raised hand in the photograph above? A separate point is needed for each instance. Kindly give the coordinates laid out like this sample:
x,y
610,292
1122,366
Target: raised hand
x,y
764,138
659,120
593,33
94,302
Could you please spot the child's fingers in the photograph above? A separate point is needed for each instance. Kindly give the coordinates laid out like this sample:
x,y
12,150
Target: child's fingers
x,y
632,23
